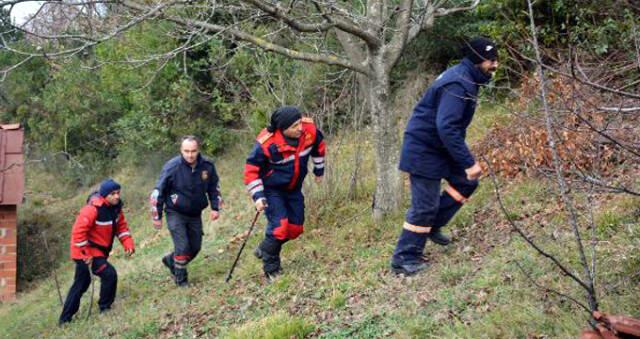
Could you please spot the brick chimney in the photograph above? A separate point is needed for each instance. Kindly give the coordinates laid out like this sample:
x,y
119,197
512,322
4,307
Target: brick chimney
x,y
11,193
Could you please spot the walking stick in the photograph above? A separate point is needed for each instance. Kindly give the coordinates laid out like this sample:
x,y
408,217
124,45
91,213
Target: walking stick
x,y
93,288
53,268
242,247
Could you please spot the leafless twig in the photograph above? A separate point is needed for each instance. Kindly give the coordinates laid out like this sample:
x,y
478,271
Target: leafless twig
x,y
564,193
548,289
527,238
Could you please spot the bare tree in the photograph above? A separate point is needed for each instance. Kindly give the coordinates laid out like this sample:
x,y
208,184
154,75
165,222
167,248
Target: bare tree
x,y
588,277
585,137
372,37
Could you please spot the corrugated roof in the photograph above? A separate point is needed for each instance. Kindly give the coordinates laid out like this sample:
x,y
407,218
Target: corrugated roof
x,y
9,126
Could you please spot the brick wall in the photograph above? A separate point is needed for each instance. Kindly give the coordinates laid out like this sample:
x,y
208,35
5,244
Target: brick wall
x,y
8,250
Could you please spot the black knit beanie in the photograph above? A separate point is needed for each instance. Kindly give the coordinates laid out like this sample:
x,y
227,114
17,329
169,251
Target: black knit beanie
x,y
480,49
283,118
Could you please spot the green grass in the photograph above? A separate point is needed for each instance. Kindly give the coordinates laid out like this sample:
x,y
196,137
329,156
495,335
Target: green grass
x,y
336,282
279,325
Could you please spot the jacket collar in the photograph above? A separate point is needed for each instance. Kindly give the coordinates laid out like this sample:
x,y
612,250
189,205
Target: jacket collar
x,y
198,160
98,200
281,141
477,75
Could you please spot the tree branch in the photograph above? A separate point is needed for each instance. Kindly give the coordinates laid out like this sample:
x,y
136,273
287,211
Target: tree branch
x,y
352,47
149,13
548,289
264,44
526,237
564,194
44,159
278,12
584,81
4,72
447,11
598,182
424,18
398,42
619,109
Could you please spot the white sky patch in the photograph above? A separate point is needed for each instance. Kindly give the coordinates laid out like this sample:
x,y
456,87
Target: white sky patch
x,y
24,9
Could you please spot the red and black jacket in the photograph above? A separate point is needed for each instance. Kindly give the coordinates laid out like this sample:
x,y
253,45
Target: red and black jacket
x,y
97,224
273,163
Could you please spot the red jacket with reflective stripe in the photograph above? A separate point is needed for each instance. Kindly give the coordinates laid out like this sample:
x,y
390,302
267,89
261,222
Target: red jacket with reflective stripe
x,y
94,227
273,163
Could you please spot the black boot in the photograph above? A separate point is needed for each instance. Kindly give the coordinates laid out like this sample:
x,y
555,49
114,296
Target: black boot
x,y
409,269
269,252
181,277
407,257
167,260
258,252
438,237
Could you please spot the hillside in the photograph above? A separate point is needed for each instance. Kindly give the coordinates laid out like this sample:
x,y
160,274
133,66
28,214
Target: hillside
x,y
336,282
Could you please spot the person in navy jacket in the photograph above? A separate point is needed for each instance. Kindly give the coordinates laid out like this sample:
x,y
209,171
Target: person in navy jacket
x,y
185,184
434,148
274,172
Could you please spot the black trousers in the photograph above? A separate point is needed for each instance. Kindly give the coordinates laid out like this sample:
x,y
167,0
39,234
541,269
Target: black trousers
x,y
186,232
81,281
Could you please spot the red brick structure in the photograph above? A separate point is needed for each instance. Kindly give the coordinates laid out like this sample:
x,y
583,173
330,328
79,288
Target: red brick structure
x,y
11,193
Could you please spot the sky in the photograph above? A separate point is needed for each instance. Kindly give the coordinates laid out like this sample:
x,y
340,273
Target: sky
x,y
21,10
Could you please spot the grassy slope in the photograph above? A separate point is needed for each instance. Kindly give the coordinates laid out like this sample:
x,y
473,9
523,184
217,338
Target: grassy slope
x,y
336,281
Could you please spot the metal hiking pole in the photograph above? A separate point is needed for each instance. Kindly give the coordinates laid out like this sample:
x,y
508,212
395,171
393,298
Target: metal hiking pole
x,y
93,288
242,247
53,267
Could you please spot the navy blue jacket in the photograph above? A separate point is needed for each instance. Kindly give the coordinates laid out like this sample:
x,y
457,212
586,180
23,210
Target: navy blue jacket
x,y
274,164
184,189
434,144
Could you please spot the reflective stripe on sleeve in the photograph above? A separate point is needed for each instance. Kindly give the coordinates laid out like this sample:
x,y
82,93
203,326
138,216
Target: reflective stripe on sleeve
x,y
253,184
285,160
455,194
256,189
82,243
305,152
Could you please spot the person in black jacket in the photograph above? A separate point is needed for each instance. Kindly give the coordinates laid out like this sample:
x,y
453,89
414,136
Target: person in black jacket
x,y
434,148
185,183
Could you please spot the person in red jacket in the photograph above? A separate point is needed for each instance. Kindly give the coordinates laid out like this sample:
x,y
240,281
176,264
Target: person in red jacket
x,y
273,174
98,223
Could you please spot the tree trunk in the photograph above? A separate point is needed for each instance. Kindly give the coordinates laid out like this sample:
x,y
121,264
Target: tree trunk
x,y
387,194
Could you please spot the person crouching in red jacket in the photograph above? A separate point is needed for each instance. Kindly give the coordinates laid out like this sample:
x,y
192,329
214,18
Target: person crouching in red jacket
x,y
98,223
